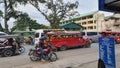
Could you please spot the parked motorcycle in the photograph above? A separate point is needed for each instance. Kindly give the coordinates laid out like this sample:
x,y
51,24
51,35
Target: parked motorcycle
x,y
9,51
49,53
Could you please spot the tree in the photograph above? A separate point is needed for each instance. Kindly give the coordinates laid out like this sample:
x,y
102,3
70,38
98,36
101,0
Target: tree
x,y
55,11
1,15
24,22
9,11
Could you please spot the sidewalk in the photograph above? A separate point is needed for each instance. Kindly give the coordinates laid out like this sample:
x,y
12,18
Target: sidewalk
x,y
77,61
71,63
95,63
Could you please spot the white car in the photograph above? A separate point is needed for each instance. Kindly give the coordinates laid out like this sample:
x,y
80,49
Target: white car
x,y
1,34
92,36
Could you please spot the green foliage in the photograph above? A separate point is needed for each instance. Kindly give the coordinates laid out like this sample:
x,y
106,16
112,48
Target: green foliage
x,y
1,13
55,10
25,22
9,11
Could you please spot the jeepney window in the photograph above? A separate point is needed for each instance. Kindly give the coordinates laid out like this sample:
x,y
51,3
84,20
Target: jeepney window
x,y
36,35
59,36
52,37
66,36
74,35
48,39
70,36
63,36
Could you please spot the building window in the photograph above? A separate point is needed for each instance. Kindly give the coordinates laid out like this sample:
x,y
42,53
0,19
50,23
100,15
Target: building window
x,y
90,27
95,21
85,28
80,23
91,16
94,27
84,23
83,18
90,22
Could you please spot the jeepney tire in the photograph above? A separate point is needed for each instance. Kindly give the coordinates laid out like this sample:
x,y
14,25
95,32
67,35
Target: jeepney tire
x,y
63,48
88,44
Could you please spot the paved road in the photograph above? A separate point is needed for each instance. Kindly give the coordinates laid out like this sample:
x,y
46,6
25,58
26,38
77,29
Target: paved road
x,y
68,58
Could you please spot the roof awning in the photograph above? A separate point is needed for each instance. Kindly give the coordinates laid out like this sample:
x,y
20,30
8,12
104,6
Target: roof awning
x,y
71,25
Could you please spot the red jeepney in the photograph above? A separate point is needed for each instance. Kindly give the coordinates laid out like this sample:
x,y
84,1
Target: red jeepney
x,y
64,40
116,36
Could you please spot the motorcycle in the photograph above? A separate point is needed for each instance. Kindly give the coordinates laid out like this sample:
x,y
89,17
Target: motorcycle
x,y
21,49
7,51
49,54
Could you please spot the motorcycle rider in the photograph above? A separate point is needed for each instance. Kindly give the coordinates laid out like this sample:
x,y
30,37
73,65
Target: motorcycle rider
x,y
41,46
12,42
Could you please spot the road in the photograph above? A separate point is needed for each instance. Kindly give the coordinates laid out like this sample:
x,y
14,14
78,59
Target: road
x,y
71,58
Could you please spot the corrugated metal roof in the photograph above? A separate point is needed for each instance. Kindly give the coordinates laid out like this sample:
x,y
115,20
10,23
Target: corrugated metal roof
x,y
70,25
83,15
86,14
107,17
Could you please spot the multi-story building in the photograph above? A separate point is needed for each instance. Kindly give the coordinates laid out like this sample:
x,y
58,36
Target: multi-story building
x,y
92,21
112,23
97,22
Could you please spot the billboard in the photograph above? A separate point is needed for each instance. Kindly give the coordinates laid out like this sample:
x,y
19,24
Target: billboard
x,y
107,51
109,5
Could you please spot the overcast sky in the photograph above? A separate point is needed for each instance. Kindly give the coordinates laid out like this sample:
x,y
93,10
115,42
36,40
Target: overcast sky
x,y
85,6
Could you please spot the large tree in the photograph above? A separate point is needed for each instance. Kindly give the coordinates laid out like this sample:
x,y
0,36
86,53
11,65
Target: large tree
x,y
1,15
9,11
24,22
55,11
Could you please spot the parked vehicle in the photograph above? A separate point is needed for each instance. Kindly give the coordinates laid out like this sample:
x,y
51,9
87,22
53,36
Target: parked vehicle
x,y
39,32
62,40
6,49
1,34
116,35
66,39
92,36
49,53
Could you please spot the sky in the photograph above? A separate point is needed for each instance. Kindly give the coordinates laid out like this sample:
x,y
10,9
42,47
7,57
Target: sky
x,y
85,6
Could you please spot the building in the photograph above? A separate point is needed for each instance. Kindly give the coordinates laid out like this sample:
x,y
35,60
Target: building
x,y
92,22
112,23
97,22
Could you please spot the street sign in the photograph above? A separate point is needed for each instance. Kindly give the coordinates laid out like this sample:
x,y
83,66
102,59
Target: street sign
x,y
109,5
107,51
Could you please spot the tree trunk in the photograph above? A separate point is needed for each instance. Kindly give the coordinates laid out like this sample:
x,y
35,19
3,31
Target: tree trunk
x,y
6,26
1,28
54,25
5,17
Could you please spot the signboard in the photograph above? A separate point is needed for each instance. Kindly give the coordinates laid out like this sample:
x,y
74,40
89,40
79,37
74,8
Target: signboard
x,y
107,51
109,5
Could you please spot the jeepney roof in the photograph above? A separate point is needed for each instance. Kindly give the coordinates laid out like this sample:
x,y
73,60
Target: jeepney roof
x,y
65,32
